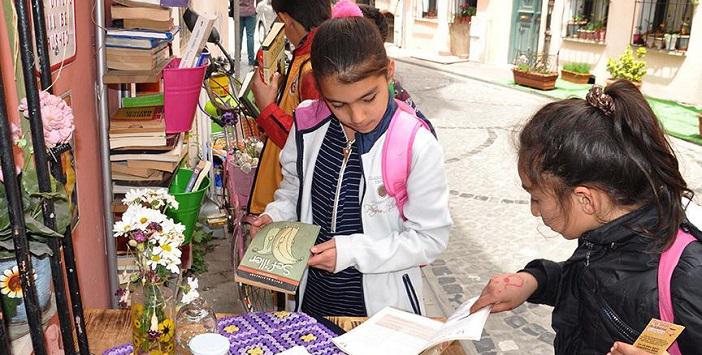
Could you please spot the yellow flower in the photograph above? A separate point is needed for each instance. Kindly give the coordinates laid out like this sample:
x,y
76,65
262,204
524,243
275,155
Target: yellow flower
x,y
308,338
168,350
231,329
10,283
281,314
137,309
155,352
166,328
255,351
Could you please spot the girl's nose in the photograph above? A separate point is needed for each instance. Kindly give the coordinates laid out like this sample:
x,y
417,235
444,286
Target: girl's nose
x,y
357,115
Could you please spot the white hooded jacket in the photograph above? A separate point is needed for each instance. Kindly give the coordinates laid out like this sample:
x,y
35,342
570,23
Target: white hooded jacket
x,y
390,247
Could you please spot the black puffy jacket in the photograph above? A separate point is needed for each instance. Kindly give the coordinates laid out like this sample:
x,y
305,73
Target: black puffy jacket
x,y
608,290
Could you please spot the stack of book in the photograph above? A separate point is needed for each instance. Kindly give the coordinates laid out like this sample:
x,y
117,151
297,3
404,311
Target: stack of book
x,y
141,153
139,38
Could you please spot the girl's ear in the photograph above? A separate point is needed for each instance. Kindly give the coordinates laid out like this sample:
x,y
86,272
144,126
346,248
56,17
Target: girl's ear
x,y
391,69
586,200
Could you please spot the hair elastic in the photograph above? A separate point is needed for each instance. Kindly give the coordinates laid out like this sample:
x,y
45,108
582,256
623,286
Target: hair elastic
x,y
598,98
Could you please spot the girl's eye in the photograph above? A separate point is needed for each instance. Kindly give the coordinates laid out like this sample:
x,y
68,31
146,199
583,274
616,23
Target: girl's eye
x,y
370,99
533,200
337,105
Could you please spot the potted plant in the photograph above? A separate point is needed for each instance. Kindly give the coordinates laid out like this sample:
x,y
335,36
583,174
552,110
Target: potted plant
x,y
684,36
574,24
58,130
671,40
600,31
628,66
578,73
465,13
637,38
534,72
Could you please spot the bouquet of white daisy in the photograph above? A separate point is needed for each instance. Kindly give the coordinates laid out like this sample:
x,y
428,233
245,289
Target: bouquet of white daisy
x,y
155,240
154,237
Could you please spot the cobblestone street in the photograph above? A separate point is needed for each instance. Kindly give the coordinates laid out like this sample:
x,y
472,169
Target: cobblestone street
x,y
494,231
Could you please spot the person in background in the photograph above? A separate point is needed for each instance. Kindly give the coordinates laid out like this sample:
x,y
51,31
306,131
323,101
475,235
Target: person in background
x,y
301,19
247,20
601,171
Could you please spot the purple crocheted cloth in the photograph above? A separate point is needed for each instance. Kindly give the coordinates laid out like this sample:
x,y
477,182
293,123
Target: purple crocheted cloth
x,y
268,333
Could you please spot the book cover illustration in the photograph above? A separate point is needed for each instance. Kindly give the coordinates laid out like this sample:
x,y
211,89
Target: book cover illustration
x,y
277,257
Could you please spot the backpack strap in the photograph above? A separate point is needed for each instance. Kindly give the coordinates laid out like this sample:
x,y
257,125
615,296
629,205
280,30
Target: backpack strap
x,y
310,113
669,260
397,152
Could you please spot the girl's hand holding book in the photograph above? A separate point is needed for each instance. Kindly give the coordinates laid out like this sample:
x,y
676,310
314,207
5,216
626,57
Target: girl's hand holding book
x,y
506,292
324,256
258,222
265,94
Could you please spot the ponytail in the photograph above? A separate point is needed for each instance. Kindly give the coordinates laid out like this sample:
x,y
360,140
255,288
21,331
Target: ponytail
x,y
611,141
643,139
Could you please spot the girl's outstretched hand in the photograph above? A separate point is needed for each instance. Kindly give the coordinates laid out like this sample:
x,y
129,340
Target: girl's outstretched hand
x,y
505,292
620,348
257,222
324,256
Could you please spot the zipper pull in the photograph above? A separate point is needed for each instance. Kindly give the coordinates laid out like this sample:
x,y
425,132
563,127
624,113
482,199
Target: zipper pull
x,y
347,150
589,251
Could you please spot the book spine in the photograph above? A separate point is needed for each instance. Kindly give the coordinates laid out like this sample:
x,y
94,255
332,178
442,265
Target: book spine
x,y
193,179
253,275
197,41
143,101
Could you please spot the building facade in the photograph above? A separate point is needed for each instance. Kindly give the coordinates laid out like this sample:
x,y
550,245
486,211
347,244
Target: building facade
x,y
568,31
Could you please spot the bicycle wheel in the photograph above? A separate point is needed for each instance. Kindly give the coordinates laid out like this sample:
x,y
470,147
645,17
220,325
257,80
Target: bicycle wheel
x,y
253,299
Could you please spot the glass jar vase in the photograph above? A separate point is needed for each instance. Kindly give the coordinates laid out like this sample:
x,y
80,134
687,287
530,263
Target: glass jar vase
x,y
152,319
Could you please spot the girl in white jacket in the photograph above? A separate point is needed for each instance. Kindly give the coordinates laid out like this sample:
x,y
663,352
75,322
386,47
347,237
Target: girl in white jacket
x,y
368,253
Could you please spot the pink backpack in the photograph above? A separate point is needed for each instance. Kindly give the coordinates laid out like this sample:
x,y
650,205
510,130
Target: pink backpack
x,y
397,150
669,260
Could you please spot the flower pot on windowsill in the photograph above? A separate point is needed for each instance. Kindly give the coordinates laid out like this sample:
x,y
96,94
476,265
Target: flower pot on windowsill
x,y
535,80
601,34
683,41
573,77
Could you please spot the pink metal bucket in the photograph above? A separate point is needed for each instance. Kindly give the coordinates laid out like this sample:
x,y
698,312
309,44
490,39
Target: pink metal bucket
x,y
181,93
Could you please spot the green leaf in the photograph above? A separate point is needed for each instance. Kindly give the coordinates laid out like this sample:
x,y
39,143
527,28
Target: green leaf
x,y
9,306
39,249
8,245
37,228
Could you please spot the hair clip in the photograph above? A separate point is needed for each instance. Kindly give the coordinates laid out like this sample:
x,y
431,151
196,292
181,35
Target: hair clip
x,y
598,98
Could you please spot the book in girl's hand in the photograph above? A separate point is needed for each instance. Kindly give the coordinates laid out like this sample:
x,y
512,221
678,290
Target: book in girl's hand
x,y
271,57
246,96
277,256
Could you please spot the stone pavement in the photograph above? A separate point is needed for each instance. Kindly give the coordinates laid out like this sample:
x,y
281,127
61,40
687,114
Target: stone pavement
x,y
494,231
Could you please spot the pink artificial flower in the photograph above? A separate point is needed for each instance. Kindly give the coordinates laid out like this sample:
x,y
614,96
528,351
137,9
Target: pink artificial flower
x,y
56,116
346,8
17,152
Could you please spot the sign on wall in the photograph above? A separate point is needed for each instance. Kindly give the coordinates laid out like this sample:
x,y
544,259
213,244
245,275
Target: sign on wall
x,y
60,20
